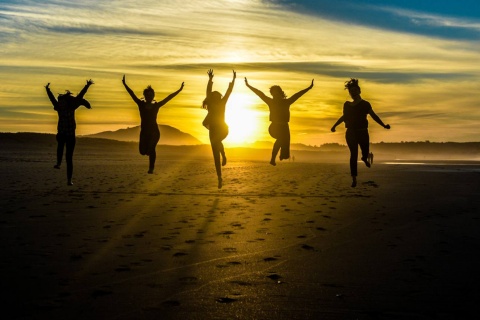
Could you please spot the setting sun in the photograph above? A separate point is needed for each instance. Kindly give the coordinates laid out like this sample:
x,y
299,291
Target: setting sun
x,y
242,121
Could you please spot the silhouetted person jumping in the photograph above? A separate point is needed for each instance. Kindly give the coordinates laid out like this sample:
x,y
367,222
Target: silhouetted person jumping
x,y
279,106
215,122
149,131
355,117
65,107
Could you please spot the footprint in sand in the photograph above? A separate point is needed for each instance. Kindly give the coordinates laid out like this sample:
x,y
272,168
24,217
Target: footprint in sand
x,y
179,254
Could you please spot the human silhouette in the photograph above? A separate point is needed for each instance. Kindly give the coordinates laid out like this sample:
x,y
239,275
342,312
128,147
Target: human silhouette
x,y
149,131
355,117
279,106
214,121
370,158
65,107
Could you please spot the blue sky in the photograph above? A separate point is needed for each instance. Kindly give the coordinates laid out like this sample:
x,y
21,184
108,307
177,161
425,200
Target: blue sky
x,y
417,62
443,19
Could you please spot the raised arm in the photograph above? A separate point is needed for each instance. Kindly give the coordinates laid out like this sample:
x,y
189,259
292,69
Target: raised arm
x,y
171,96
130,92
51,97
297,95
230,86
84,90
259,93
377,119
210,82
339,121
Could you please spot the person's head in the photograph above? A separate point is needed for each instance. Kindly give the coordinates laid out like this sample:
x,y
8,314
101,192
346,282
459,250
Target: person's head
x,y
149,94
277,92
65,98
213,98
353,87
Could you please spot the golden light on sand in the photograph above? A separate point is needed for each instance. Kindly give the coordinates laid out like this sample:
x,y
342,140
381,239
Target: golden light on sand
x,y
242,121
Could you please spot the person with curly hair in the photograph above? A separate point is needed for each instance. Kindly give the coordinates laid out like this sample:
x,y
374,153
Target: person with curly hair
x,y
355,117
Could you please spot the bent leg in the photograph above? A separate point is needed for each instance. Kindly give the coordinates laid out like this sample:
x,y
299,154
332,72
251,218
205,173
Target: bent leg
x,y
364,142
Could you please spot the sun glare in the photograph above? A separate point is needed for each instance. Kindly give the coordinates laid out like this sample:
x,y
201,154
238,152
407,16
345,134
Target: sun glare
x,y
242,121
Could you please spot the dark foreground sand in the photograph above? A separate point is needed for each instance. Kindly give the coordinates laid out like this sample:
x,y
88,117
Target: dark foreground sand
x,y
286,242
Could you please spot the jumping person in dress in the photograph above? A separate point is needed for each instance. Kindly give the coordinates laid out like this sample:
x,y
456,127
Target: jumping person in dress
x,y
279,106
355,117
149,132
215,104
65,107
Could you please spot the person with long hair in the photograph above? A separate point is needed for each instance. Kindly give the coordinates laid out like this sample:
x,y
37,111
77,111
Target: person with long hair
x,y
214,121
65,107
149,131
355,117
279,129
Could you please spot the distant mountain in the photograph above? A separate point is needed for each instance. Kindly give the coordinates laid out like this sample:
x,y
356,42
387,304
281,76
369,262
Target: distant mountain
x,y
168,135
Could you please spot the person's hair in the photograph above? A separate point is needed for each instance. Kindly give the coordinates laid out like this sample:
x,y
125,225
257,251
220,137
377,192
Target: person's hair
x,y
148,90
276,90
352,83
207,100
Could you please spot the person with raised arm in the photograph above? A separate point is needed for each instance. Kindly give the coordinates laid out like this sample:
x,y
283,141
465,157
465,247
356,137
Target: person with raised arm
x,y
149,131
214,121
65,107
355,117
279,129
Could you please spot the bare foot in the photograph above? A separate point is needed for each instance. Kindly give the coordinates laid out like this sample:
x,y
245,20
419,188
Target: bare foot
x,y
57,166
272,162
354,182
150,171
220,183
224,161
69,183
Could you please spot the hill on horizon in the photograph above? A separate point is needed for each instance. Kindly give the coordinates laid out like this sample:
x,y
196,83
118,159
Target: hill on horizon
x,y
168,135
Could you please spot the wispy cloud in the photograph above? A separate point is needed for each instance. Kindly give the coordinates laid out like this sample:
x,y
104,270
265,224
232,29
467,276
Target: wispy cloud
x,y
409,76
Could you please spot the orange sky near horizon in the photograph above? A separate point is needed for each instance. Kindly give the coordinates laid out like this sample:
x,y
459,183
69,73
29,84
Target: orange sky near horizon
x,y
425,87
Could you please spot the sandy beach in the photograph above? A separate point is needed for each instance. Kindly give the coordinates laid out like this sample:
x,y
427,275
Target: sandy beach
x,y
288,242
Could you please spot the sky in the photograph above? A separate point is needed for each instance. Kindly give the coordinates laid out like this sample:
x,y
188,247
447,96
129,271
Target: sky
x,y
417,63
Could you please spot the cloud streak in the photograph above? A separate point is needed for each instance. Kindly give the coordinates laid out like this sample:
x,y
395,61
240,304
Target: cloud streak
x,y
412,74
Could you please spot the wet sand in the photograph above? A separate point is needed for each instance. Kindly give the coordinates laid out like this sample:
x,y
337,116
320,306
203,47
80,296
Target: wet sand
x,y
288,242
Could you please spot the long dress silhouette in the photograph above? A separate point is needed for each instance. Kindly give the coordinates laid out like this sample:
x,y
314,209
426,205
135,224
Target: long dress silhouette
x,y
149,131
355,117
65,107
279,106
214,121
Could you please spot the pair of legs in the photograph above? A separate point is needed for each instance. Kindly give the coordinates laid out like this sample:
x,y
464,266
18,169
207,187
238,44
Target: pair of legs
x,y
354,139
217,135
281,132
68,141
147,146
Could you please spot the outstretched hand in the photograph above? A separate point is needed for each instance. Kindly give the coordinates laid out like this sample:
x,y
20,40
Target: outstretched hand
x,y
181,87
333,129
387,126
210,74
90,82
47,86
234,74
311,85
246,81
123,79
